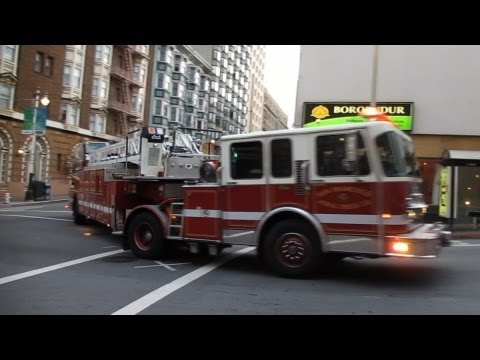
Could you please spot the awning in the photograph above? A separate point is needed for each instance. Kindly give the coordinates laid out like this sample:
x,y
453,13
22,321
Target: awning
x,y
461,158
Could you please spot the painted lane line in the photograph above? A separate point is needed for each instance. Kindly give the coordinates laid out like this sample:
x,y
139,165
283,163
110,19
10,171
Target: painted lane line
x,y
145,266
35,217
30,273
109,247
21,208
165,265
179,264
158,294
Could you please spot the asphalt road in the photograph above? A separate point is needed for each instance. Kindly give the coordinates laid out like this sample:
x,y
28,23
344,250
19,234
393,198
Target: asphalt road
x,y
49,265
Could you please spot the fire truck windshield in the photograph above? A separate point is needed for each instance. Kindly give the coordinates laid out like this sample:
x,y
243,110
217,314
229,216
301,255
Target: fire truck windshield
x,y
397,155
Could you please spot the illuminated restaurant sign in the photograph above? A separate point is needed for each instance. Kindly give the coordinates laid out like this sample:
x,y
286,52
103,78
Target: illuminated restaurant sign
x,y
401,113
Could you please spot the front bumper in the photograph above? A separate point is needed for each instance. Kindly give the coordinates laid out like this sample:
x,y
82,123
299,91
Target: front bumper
x,y
424,242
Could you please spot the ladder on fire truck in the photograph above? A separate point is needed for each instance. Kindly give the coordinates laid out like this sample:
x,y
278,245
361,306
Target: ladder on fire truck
x,y
122,157
175,225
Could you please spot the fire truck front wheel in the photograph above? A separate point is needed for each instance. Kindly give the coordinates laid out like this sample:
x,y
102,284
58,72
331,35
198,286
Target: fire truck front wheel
x,y
145,236
292,249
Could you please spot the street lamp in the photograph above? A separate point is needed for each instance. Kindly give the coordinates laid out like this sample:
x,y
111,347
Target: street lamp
x,y
44,100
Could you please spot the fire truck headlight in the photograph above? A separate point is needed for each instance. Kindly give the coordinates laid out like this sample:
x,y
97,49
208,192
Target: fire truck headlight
x,y
400,247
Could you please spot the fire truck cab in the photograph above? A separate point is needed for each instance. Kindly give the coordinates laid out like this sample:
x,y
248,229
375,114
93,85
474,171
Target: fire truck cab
x,y
303,196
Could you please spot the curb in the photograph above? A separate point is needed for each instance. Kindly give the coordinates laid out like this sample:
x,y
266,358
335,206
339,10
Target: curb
x,y
27,203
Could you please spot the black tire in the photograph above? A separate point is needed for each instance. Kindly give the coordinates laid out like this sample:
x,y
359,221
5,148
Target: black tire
x,y
292,249
78,218
145,236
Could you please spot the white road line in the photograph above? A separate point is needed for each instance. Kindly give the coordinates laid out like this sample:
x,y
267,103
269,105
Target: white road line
x,y
22,208
159,264
145,266
165,265
109,247
179,264
24,275
465,244
36,217
158,294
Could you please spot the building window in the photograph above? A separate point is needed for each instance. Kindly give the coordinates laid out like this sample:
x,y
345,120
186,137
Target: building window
x,y
95,87
97,122
9,52
70,114
178,90
164,54
67,70
48,66
98,52
76,77
106,54
204,84
43,64
6,92
102,53
179,65
163,81
176,115
4,146
39,56
191,98
189,120
103,89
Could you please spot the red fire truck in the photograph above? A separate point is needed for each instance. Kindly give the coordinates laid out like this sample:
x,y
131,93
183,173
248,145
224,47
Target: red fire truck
x,y
302,196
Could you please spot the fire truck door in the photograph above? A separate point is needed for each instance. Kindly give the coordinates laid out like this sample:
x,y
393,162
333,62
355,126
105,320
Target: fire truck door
x,y
244,191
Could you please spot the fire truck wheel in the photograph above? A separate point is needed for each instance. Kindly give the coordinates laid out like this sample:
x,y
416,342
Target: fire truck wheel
x,y
292,249
145,236
78,218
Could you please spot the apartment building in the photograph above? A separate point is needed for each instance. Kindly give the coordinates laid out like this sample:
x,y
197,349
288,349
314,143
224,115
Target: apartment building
x,y
255,117
179,86
229,88
274,118
96,92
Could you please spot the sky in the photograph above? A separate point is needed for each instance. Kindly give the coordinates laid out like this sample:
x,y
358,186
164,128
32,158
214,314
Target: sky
x,y
281,75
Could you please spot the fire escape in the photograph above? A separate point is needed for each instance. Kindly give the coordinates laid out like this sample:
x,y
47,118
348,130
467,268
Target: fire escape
x,y
130,116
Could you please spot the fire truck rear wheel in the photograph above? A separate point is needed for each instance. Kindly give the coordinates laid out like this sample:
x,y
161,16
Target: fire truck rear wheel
x,y
145,236
292,249
78,218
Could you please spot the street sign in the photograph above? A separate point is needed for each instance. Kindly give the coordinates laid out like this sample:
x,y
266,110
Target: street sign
x,y
40,122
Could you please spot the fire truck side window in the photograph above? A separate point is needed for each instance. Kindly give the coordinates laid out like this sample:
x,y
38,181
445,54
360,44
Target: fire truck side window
x,y
330,155
281,158
246,160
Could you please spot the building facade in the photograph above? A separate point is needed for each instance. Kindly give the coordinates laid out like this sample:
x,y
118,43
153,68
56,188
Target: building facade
x,y
256,110
229,88
179,87
440,82
78,80
274,118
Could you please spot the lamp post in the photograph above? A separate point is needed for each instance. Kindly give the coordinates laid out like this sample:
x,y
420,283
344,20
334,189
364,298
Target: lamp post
x,y
32,161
